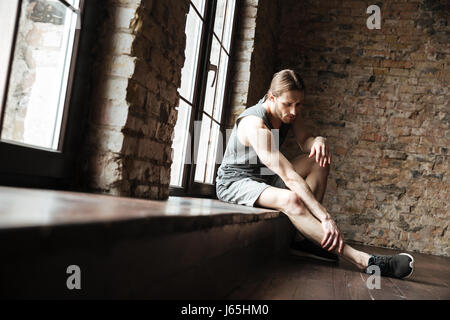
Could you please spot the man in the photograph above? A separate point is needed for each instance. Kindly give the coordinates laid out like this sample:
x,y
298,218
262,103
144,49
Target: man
x,y
264,177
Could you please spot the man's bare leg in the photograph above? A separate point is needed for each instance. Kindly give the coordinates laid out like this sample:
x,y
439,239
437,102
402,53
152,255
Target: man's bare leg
x,y
289,203
315,176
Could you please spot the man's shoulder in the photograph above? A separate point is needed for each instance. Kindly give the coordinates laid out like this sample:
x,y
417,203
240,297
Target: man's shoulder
x,y
255,113
252,121
256,109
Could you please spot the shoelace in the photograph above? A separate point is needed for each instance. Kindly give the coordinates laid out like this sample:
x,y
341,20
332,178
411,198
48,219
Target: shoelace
x,y
382,262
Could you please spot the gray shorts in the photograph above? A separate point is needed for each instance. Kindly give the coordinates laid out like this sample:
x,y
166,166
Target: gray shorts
x,y
246,191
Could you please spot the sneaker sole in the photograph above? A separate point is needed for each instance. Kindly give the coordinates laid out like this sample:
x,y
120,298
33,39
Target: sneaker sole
x,y
411,265
310,255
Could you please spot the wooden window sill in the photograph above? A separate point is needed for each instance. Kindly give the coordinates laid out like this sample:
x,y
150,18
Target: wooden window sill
x,y
46,209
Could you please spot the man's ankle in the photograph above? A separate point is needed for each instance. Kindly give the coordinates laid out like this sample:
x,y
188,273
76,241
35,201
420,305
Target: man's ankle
x,y
364,260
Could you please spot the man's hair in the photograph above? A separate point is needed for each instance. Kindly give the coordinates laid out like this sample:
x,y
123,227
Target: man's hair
x,y
286,80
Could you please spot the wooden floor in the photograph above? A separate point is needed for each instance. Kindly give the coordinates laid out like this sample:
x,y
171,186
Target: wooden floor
x,y
298,278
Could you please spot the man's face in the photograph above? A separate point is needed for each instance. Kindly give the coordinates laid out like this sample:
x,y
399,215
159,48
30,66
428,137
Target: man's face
x,y
288,105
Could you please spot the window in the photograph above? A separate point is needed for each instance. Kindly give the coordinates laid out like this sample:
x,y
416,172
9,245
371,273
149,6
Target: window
x,y
39,74
203,94
38,49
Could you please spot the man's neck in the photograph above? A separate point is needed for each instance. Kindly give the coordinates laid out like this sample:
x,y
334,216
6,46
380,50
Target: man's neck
x,y
271,114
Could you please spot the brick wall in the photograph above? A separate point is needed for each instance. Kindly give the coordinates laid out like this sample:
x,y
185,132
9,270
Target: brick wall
x,y
254,58
264,54
381,97
137,72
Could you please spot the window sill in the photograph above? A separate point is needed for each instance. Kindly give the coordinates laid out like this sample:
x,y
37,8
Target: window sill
x,y
46,209
130,248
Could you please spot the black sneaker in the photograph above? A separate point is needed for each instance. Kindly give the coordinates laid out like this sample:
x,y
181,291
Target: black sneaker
x,y
398,266
307,248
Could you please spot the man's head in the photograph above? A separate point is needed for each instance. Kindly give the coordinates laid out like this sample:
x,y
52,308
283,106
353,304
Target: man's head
x,y
287,93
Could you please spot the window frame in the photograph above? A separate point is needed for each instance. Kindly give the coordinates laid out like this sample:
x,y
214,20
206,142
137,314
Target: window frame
x,y
24,165
190,186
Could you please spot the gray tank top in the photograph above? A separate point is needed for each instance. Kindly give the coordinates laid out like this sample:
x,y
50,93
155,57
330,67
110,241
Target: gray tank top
x,y
240,161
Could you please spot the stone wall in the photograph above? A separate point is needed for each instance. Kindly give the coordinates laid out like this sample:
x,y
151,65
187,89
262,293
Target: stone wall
x,y
381,97
137,72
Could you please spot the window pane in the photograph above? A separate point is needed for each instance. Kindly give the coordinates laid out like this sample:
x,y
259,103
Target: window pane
x,y
218,105
211,84
193,37
220,16
203,149
40,73
200,6
212,153
8,12
229,25
180,143
74,3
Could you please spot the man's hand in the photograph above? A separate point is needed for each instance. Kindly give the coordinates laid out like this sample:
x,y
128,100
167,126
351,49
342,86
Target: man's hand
x,y
321,151
333,238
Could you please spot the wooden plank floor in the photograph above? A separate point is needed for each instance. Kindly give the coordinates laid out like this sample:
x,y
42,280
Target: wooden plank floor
x,y
297,278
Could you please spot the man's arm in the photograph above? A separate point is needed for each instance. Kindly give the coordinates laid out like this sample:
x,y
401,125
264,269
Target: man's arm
x,y
252,131
315,146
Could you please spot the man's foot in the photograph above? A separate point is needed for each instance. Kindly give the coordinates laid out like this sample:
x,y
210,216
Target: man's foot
x,y
398,266
307,248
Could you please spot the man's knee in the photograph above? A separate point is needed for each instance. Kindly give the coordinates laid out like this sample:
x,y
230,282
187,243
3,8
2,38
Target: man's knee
x,y
294,205
316,167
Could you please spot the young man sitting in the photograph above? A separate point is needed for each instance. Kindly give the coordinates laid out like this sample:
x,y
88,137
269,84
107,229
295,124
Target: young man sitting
x,y
264,177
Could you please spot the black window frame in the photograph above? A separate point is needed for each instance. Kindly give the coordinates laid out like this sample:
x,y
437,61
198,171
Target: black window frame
x,y
23,165
190,186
